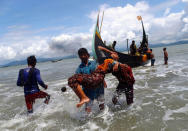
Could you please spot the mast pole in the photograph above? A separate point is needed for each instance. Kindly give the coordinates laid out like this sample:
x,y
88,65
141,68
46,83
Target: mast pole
x,y
101,22
128,45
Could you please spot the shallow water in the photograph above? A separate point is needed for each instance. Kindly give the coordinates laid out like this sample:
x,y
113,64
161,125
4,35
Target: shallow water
x,y
160,99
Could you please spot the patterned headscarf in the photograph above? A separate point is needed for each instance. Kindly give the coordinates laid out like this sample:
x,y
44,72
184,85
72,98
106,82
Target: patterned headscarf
x,y
105,66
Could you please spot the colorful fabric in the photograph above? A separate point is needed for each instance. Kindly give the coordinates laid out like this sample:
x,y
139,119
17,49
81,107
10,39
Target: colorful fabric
x,y
88,69
91,81
36,79
105,65
124,74
30,99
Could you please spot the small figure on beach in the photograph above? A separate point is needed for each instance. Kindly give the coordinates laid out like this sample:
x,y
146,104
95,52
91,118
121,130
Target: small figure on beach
x,y
29,78
165,56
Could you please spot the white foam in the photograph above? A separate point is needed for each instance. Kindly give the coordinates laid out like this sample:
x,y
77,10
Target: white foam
x,y
169,112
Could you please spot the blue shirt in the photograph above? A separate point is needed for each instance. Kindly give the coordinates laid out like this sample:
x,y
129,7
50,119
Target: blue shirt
x,y
87,69
36,79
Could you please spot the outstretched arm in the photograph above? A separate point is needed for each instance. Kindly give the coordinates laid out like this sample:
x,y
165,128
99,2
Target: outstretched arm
x,y
113,54
106,50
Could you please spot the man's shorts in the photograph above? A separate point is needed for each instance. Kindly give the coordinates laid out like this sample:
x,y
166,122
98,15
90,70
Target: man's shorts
x,y
152,62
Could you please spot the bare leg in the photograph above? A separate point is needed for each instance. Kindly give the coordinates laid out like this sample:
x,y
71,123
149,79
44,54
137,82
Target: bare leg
x,y
80,93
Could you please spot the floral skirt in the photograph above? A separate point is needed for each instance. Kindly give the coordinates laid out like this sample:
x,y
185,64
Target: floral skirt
x,y
87,80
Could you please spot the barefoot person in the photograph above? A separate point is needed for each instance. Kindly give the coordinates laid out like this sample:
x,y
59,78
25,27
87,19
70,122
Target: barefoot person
x,y
87,67
30,78
124,74
89,81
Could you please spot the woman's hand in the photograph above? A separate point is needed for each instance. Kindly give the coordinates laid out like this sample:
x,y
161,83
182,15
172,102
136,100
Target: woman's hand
x,y
114,56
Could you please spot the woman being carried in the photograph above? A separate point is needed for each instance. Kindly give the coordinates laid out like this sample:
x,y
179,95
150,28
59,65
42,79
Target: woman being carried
x,y
122,72
90,80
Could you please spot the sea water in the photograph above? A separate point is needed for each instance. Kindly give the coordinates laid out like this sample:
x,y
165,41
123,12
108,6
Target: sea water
x,y
160,99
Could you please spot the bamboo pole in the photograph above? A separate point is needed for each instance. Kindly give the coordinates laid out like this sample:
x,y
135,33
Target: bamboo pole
x,y
128,45
101,22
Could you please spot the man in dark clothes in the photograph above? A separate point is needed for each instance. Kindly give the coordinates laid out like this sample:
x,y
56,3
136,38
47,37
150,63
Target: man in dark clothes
x,y
133,48
30,78
113,45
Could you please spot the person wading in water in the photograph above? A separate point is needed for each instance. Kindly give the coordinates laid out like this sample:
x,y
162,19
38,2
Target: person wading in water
x,y
87,67
124,74
165,56
30,78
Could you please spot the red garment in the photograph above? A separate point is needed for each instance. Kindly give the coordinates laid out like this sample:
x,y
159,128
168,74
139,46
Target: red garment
x,y
30,99
124,74
87,80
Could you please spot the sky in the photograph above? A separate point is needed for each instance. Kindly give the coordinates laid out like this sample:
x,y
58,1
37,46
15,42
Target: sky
x,y
57,28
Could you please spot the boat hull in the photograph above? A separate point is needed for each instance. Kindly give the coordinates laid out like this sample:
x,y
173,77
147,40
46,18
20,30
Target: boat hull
x,y
133,61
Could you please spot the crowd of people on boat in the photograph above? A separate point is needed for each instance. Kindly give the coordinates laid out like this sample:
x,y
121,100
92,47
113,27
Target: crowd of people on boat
x,y
88,82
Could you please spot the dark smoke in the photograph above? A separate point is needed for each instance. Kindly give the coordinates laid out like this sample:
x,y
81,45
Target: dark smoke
x,y
70,46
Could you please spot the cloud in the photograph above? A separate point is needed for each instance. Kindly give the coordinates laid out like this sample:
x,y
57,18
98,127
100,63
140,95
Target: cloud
x,y
19,42
164,5
69,44
184,0
167,11
7,52
119,23
166,29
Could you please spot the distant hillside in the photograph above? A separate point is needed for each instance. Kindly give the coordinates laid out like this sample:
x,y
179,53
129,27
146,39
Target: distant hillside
x,y
170,44
24,62
157,45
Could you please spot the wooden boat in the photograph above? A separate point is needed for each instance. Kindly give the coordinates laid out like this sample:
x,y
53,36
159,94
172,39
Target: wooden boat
x,y
53,61
100,56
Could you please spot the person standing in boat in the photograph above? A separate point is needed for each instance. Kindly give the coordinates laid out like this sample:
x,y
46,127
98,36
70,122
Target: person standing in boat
x,y
87,67
133,48
124,74
165,56
113,45
152,58
30,78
